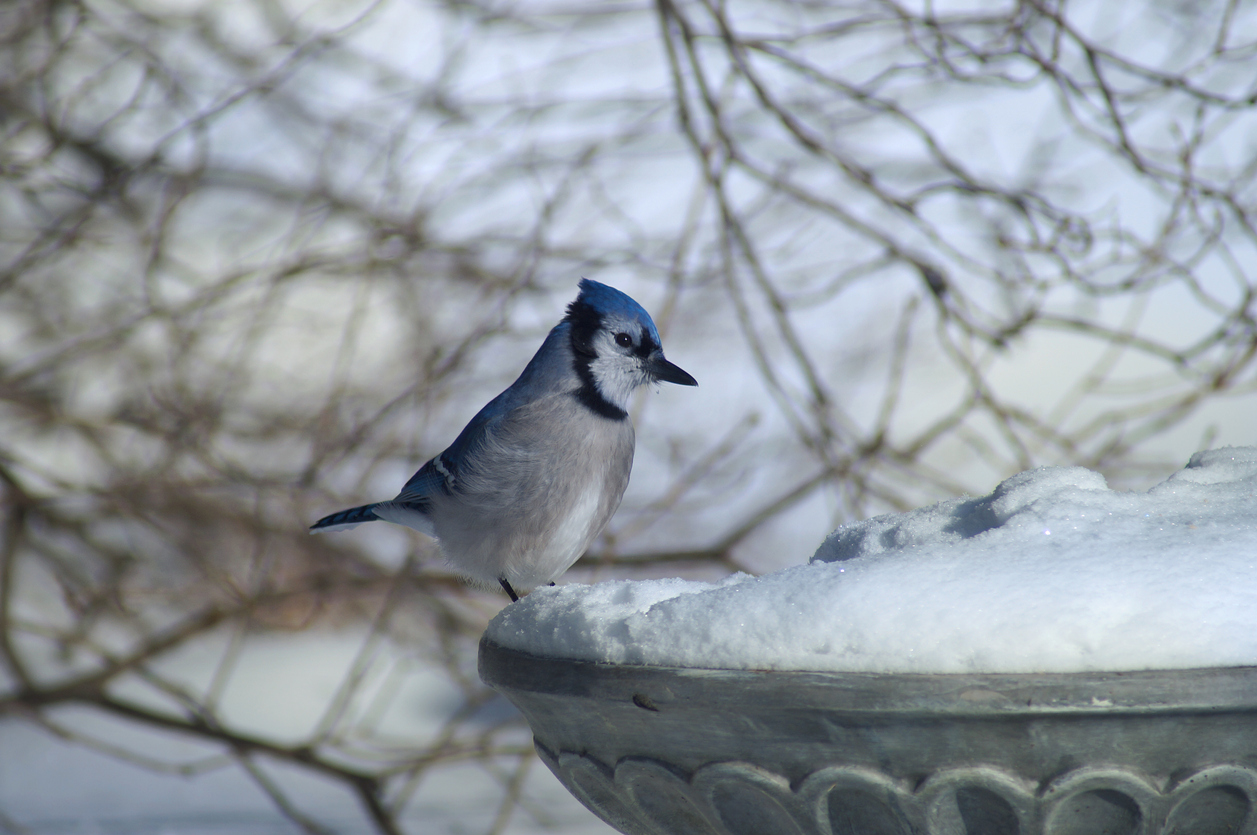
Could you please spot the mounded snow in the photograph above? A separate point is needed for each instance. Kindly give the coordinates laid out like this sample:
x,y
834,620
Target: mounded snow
x,y
1052,572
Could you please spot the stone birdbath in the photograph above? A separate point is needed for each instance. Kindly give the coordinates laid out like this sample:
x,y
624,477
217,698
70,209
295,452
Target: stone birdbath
x,y
791,703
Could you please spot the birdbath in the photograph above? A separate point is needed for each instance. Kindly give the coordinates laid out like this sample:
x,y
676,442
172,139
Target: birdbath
x,y
683,750
1053,658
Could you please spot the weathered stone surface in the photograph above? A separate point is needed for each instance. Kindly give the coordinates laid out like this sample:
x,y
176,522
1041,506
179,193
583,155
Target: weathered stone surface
x,y
663,750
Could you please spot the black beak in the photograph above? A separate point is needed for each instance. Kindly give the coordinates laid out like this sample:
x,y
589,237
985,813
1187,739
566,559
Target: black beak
x,y
665,372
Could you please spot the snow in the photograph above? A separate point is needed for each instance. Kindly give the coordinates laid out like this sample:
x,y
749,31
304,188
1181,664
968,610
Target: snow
x,y
1051,572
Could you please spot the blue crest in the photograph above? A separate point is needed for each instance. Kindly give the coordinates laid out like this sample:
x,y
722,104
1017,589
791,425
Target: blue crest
x,y
605,300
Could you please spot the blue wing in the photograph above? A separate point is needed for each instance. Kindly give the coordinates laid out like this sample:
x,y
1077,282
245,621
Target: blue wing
x,y
546,372
441,473
433,477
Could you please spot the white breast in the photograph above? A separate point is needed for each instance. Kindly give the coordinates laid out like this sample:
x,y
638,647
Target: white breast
x,y
571,537
399,514
533,500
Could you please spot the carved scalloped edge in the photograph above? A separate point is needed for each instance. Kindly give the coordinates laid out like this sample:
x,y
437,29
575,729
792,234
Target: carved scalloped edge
x,y
643,796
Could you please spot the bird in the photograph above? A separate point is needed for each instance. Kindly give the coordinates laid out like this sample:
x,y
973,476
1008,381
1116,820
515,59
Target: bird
x,y
536,475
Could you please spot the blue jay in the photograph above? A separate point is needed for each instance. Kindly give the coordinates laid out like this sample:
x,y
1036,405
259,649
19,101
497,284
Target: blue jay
x,y
536,475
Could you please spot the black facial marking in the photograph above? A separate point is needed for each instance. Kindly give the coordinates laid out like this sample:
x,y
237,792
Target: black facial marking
x,y
647,347
585,323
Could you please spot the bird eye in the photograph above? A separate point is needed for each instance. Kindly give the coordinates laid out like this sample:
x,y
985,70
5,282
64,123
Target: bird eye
x,y
623,340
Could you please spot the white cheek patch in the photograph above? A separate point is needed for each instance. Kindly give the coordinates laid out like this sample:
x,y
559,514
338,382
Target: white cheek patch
x,y
615,373
616,377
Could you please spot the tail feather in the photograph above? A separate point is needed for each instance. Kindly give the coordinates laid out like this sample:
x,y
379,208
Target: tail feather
x,y
345,519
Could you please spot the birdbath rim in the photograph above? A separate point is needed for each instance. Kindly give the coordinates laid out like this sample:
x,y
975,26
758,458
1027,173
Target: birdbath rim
x,y
1205,689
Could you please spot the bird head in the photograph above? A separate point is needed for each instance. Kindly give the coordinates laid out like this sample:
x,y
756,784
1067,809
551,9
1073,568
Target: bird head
x,y
616,344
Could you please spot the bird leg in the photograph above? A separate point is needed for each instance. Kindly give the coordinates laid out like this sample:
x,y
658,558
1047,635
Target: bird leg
x,y
506,586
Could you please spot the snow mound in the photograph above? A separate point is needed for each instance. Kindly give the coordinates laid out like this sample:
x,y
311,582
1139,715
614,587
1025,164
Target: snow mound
x,y
1051,572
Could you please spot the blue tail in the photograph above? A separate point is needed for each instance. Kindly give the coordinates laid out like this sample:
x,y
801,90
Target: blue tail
x,y
345,519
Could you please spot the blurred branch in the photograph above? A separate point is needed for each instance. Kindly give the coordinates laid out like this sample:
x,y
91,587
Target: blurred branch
x,y
259,261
